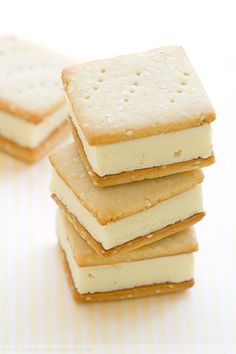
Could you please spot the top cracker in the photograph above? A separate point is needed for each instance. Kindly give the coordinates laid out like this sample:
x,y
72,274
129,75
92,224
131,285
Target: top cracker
x,y
30,85
137,95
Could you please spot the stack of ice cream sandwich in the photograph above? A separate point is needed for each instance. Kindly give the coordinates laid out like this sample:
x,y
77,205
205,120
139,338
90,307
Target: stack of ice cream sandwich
x,y
129,187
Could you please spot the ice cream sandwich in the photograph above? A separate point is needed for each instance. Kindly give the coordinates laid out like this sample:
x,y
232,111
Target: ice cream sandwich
x,y
121,218
139,116
33,113
164,266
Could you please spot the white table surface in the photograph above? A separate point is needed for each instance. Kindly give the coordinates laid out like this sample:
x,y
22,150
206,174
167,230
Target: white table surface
x,y
37,311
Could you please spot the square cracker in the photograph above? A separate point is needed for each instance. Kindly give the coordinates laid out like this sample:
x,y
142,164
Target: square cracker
x,y
182,242
116,202
130,245
32,155
30,85
137,95
139,291
136,175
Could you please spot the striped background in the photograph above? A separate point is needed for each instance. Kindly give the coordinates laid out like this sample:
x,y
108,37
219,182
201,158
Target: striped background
x,y
38,313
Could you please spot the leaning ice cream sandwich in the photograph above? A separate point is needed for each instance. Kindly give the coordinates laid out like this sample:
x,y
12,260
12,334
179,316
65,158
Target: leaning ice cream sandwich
x,y
33,112
139,116
124,217
162,267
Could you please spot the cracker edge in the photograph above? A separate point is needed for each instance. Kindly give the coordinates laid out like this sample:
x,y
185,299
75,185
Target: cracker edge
x,y
32,155
132,244
139,291
29,115
136,175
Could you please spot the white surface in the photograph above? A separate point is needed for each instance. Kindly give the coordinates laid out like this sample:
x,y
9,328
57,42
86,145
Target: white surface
x,y
37,311
150,151
167,212
28,134
101,278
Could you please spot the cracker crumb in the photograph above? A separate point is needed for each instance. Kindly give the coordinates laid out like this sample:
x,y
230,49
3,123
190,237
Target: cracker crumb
x,y
148,203
178,153
129,132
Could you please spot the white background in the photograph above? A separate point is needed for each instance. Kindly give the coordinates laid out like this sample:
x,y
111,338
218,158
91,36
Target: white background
x,y
37,312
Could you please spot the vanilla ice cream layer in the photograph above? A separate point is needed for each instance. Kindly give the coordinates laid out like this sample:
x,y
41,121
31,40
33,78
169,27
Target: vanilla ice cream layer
x,y
28,134
156,150
101,278
167,212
